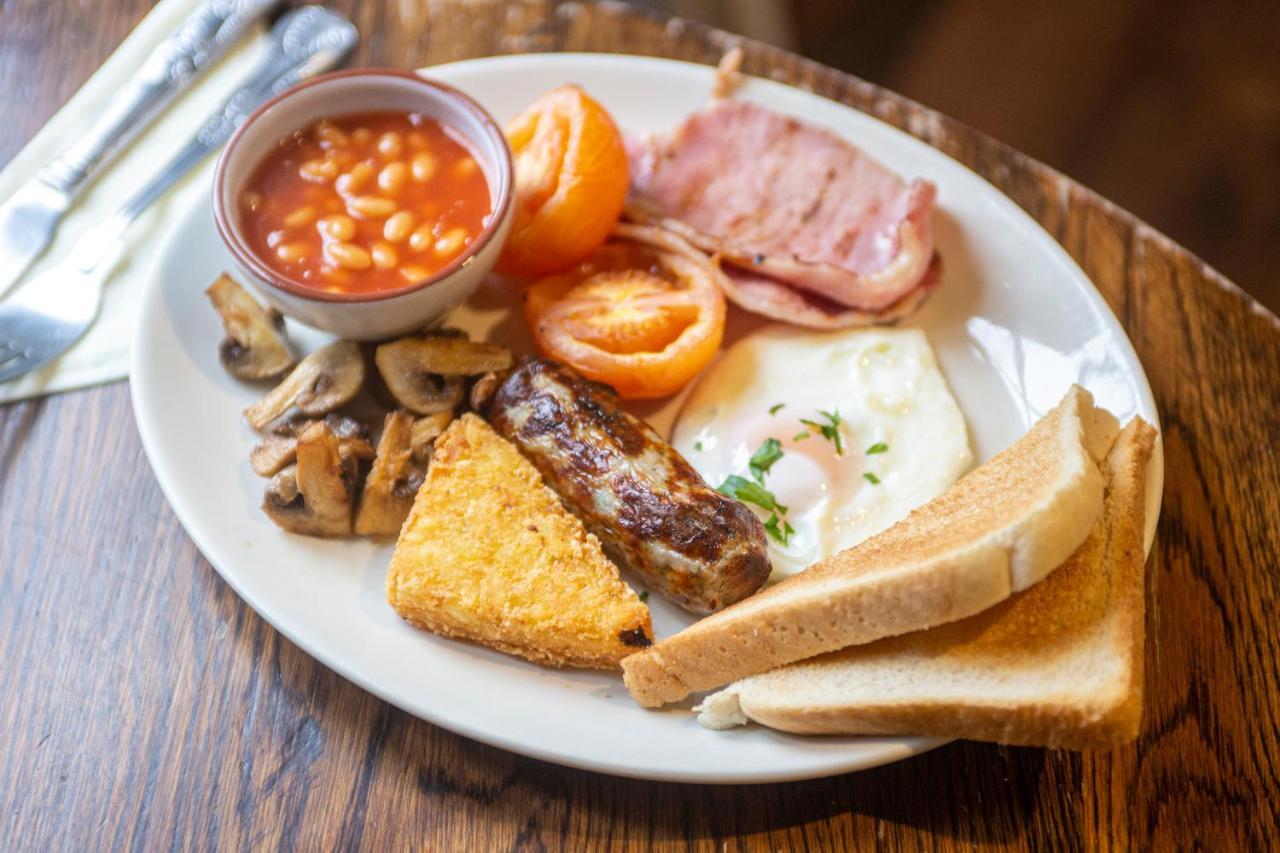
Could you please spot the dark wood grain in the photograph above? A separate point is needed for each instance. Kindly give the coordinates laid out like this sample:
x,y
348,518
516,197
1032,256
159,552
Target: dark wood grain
x,y
145,706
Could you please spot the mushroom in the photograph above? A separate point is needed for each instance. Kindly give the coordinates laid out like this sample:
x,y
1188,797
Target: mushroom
x,y
482,391
279,446
323,381
423,436
255,347
314,495
425,374
393,480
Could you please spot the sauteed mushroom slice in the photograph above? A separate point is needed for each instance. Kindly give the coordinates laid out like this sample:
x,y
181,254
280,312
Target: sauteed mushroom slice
x,y
393,480
314,496
420,393
255,346
279,448
323,381
425,431
279,445
450,355
482,391
425,374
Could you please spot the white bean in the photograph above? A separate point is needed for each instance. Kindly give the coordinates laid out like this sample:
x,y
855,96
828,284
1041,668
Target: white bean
x,y
292,252
398,226
348,255
370,207
337,227
451,242
355,180
423,166
318,171
385,256
421,239
389,144
301,216
392,177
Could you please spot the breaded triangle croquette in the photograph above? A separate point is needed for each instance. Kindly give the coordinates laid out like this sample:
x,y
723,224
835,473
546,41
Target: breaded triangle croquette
x,y
489,554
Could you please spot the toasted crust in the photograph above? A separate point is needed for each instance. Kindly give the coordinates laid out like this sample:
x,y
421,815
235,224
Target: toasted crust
x,y
489,554
1000,529
1058,665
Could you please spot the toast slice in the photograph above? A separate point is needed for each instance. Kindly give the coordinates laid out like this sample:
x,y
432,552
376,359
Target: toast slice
x,y
1058,665
489,554
1000,529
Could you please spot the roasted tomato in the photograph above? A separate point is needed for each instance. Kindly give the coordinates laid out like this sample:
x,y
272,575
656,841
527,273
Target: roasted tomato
x,y
570,182
633,316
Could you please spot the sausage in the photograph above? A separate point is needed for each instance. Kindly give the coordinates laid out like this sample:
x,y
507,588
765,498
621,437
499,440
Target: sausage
x,y
653,513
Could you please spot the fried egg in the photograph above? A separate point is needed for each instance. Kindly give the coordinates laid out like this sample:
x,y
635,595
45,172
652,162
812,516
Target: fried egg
x,y
865,427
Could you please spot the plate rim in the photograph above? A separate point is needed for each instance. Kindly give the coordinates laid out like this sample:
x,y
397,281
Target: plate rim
x,y
141,398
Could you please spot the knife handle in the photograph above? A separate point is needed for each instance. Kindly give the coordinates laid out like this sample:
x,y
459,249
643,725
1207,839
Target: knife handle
x,y
203,37
303,43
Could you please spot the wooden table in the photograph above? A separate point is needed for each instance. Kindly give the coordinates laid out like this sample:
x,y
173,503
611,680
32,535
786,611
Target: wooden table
x,y
145,706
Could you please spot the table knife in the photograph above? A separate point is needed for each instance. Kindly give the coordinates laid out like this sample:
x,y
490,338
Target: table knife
x,y
47,314
29,218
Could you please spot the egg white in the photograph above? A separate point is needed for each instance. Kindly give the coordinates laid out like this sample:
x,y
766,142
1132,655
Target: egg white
x,y
886,388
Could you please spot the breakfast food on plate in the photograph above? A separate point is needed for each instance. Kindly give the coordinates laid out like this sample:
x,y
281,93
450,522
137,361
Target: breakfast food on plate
x,y
328,378
810,229
636,315
393,479
1058,665
279,446
365,203
255,346
570,182
427,374
489,554
1000,529
652,512
315,496
314,444
829,436
912,598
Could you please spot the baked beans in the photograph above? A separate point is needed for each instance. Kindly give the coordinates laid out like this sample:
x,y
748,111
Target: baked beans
x,y
365,203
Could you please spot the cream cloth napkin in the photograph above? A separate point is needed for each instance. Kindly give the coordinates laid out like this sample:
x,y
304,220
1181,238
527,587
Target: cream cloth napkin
x,y
102,355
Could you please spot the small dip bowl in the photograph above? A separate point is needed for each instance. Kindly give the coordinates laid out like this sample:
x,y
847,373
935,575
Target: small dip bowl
x,y
382,313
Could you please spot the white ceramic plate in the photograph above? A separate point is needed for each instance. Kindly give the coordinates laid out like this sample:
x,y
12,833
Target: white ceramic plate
x,y
1014,324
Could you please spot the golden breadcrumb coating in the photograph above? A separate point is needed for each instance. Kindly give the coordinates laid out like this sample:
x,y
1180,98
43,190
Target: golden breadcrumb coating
x,y
489,554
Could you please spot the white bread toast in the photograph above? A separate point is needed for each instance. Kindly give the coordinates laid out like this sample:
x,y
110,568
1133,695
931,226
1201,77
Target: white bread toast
x,y
489,554
1000,529
1058,665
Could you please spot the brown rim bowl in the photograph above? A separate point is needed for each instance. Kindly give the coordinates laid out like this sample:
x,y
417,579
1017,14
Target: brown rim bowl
x,y
383,314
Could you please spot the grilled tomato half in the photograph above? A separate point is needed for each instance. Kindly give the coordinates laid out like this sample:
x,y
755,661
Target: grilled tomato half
x,y
633,316
571,181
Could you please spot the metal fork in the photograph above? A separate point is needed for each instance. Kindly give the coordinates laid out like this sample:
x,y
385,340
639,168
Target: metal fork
x,y
49,313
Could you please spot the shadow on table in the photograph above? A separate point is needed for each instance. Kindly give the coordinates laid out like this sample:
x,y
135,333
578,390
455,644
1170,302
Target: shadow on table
x,y
973,793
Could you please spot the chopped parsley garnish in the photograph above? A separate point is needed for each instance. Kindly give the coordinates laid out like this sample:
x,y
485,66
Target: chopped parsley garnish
x,y
697,445
776,407
755,493
830,430
762,460
749,492
779,529
878,447
871,478
800,436
644,595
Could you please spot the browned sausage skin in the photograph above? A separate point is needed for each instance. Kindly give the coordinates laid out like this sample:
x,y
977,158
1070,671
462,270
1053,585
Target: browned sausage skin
x,y
652,512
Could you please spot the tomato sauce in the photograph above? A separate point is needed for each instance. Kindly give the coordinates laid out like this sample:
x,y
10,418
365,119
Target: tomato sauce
x,y
365,203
